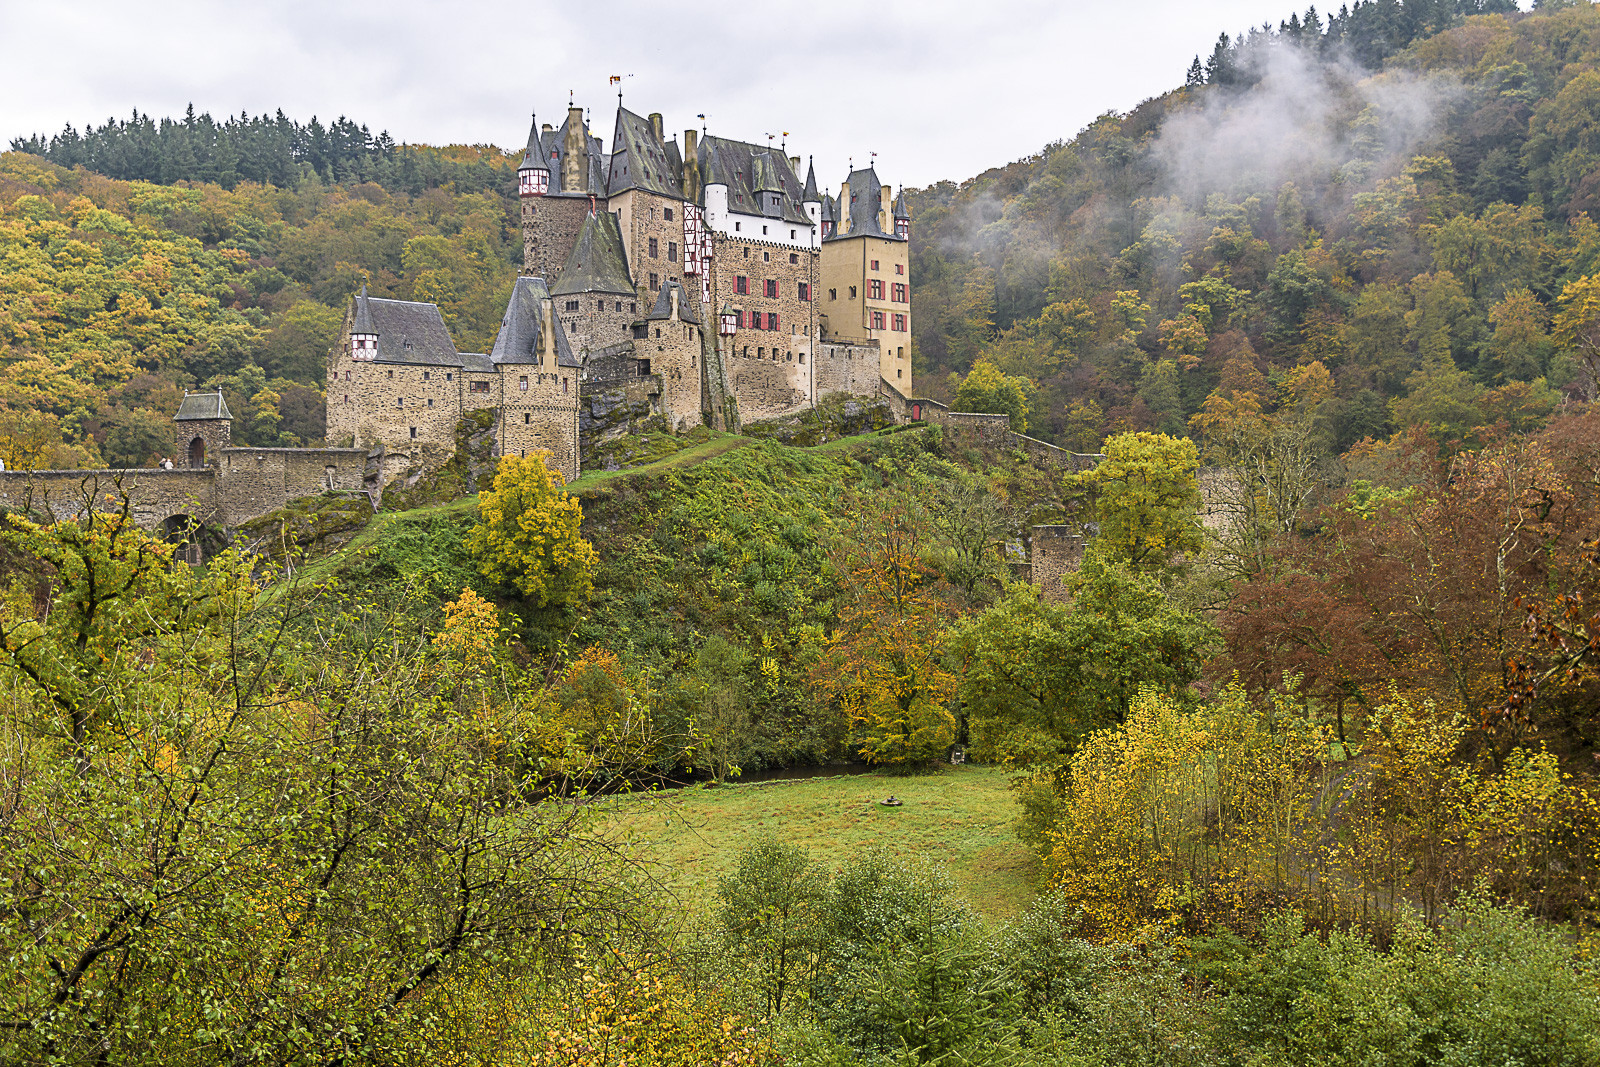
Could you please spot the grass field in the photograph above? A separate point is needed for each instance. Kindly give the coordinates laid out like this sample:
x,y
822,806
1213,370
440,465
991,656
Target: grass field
x,y
959,816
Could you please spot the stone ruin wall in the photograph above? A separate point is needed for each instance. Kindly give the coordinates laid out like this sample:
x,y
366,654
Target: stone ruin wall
x,y
244,483
1057,553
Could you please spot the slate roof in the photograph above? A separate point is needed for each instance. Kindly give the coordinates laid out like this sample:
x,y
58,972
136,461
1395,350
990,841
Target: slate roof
x,y
408,331
197,406
555,145
522,328
535,157
599,259
687,306
810,195
901,211
639,159
734,164
363,320
828,212
476,362
866,194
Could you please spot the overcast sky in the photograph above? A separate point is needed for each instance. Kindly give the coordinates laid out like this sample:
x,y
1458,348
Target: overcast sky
x,y
937,89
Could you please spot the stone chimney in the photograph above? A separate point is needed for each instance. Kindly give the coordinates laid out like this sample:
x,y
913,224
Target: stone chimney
x,y
691,164
885,209
575,154
655,124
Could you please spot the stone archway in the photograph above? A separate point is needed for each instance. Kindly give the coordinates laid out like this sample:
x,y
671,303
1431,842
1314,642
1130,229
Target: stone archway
x,y
196,541
197,453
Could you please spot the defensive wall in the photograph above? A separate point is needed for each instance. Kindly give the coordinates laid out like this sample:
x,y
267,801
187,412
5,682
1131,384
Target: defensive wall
x,y
242,484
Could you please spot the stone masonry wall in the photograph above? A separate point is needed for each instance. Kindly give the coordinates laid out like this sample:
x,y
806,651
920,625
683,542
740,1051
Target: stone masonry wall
x,y
550,226
599,320
769,373
544,415
244,483
673,348
1057,552
155,495
643,217
400,404
258,480
843,367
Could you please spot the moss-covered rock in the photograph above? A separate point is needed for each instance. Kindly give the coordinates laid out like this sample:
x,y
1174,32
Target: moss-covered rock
x,y
467,471
307,528
836,415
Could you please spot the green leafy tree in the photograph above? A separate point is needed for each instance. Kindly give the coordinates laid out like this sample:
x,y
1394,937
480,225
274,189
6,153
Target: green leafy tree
x,y
986,389
1039,677
1146,499
771,909
529,534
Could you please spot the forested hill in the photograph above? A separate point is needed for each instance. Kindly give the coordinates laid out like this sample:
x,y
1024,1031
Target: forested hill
x,y
1407,227
267,150
1390,202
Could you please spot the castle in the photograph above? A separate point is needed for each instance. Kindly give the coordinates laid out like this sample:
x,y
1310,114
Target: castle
x,y
705,283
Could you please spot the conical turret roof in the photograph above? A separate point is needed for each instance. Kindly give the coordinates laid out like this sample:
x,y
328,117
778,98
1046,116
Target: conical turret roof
x,y
363,319
599,260
535,157
811,195
900,209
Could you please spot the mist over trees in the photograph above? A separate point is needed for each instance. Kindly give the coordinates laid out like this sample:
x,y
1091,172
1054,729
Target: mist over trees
x,y
1403,206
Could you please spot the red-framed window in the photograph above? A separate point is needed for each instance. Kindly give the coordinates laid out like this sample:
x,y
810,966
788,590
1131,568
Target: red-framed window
x,y
899,292
875,289
772,287
874,264
741,285
900,323
772,321
805,292
899,268
877,320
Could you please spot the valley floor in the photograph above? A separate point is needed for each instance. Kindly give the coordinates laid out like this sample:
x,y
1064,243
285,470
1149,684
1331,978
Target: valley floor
x,y
959,817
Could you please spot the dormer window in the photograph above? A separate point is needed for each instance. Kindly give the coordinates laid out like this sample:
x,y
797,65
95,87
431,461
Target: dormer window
x,y
902,227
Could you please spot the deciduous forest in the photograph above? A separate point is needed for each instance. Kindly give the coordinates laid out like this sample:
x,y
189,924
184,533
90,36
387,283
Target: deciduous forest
x,y
1303,757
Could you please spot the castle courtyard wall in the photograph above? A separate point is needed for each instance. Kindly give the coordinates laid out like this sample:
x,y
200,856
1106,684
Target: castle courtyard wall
x,y
550,226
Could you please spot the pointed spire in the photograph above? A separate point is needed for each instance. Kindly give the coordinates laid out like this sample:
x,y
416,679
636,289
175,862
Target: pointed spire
x,y
811,196
535,157
900,209
363,319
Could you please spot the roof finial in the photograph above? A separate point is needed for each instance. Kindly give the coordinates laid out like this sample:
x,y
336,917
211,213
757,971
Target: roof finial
x,y
616,79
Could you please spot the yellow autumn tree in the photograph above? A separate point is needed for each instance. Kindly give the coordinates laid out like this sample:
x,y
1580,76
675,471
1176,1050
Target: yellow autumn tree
x,y
528,535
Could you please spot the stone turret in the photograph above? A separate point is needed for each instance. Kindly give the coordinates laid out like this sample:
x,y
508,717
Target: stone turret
x,y
204,428
533,173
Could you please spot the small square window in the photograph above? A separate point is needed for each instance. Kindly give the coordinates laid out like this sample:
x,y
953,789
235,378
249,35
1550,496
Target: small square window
x,y
427,376
450,377
667,214
874,264
736,228
794,257
430,402
413,433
